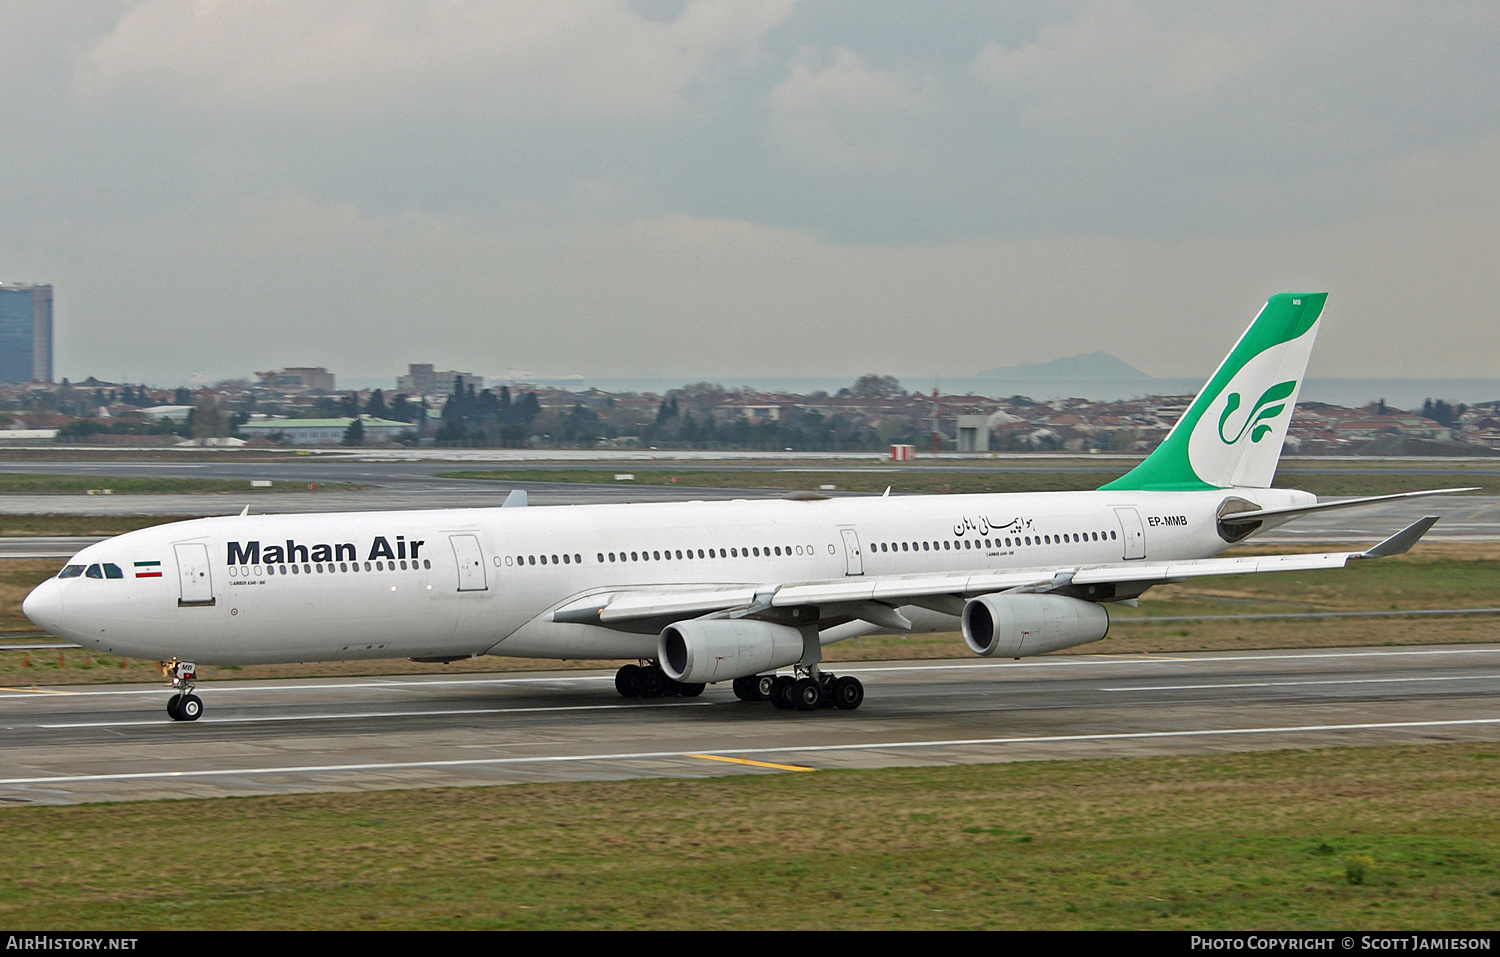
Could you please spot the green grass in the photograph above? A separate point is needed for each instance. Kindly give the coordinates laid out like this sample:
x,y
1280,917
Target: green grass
x,y
83,525
919,479
902,480
28,483
1374,838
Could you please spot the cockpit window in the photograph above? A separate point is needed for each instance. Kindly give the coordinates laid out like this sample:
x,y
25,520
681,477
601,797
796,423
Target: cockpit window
x,y
94,572
111,570
71,571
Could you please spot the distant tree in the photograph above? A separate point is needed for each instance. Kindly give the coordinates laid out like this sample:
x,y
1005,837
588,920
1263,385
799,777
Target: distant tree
x,y
580,426
375,408
401,409
872,386
207,420
1442,413
528,407
355,433
181,397
702,397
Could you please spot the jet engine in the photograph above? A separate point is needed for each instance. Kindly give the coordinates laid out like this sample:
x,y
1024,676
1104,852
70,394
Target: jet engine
x,y
718,649
1015,626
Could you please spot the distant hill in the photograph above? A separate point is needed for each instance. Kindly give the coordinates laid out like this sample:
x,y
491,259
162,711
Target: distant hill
x,y
1090,365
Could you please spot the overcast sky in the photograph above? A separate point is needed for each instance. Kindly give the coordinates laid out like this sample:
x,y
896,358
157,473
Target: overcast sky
x,y
726,189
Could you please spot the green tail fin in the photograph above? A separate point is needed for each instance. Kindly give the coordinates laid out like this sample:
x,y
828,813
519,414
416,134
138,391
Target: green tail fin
x,y
1225,439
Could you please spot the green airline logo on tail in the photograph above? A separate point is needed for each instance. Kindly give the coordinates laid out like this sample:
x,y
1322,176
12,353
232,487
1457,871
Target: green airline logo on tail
x,y
1205,449
1263,410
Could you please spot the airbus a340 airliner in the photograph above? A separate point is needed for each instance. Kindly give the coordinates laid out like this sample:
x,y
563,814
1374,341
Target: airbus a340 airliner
x,y
703,592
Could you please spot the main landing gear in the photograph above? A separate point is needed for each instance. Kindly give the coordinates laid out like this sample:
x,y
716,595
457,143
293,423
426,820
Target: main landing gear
x,y
808,690
649,681
183,706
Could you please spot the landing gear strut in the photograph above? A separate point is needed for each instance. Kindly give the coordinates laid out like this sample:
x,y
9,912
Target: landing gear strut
x,y
183,706
647,680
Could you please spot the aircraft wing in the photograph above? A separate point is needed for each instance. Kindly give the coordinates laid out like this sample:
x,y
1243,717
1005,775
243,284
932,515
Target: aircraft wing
x,y
624,608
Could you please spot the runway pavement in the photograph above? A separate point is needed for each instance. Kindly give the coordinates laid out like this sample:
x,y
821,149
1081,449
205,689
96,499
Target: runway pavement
x,y
69,745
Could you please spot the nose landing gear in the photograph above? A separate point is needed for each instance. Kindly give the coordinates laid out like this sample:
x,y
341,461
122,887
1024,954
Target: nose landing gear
x,y
183,706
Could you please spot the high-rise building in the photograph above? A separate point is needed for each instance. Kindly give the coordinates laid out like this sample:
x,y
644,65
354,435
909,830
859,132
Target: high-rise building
x,y
423,379
299,378
25,332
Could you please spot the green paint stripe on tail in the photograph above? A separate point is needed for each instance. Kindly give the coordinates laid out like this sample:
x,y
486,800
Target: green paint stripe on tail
x,y
1285,317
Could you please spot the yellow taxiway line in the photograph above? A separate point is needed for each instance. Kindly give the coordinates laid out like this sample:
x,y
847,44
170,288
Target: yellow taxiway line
x,y
755,764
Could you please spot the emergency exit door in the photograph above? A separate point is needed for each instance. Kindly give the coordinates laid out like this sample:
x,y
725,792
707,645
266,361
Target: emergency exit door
x,y
854,560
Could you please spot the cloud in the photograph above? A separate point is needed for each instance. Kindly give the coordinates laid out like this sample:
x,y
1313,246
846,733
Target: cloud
x,y
292,280
346,57
843,112
1115,61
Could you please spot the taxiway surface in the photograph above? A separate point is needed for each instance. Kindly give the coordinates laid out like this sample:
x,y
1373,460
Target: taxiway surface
x,y
68,745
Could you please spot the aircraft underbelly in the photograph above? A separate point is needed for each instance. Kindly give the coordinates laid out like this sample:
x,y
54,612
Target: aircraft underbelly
x,y
550,639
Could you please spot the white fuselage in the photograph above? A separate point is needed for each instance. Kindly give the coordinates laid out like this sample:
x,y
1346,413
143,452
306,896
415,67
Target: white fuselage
x,y
452,583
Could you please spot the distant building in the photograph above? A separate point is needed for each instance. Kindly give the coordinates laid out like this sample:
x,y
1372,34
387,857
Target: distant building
x,y
973,433
308,379
25,332
422,379
323,431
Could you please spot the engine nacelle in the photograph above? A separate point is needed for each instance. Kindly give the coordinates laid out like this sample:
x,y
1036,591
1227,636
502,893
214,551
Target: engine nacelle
x,y
718,649
1015,626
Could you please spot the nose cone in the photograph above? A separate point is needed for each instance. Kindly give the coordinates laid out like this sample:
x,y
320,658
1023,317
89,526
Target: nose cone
x,y
44,606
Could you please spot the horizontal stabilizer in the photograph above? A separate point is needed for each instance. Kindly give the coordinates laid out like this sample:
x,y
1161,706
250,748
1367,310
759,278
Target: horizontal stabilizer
x,y
1243,518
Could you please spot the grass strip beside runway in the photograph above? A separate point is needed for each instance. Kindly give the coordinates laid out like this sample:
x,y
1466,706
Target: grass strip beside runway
x,y
1360,837
12,483
935,481
65,526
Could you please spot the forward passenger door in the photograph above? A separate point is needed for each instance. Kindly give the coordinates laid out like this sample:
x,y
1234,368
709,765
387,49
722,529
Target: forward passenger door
x,y
193,574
